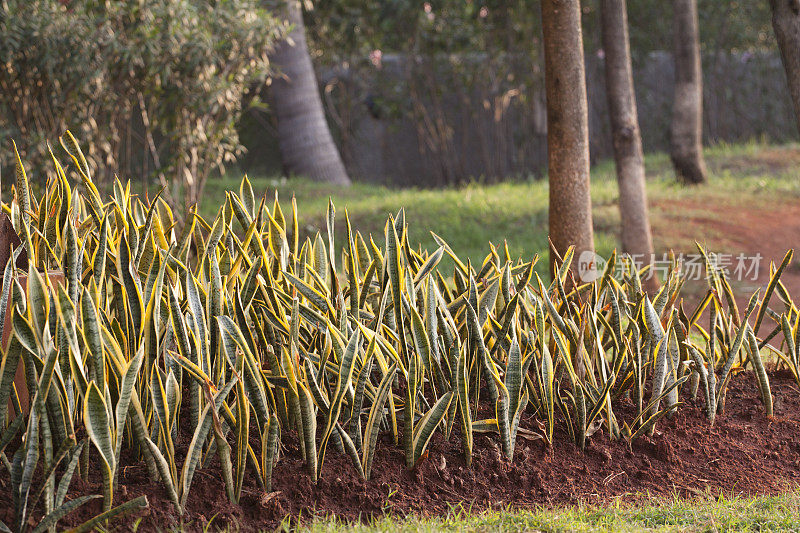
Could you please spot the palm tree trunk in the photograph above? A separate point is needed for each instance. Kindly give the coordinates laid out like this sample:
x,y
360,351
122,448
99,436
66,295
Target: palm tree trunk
x,y
786,23
637,240
306,145
687,111
567,129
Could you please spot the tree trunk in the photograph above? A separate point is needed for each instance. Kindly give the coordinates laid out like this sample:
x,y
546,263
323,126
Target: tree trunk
x,y
687,109
307,148
567,129
786,23
637,240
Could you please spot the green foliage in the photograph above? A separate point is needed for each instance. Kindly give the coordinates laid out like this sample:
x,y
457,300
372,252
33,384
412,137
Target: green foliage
x,y
484,54
162,79
342,29
467,79
733,26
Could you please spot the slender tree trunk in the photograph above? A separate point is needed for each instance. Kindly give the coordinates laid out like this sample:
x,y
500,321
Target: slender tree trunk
x,y
567,129
786,23
635,223
306,145
687,109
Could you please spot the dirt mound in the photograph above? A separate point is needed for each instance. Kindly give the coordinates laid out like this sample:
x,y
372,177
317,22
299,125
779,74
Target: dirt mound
x,y
743,453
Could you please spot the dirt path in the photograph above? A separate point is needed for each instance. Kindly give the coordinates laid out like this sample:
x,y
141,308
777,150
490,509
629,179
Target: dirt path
x,y
759,229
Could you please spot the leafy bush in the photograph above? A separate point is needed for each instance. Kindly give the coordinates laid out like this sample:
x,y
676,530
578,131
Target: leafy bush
x,y
256,336
155,88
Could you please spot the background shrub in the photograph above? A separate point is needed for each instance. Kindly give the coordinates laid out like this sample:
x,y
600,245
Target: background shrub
x,y
155,87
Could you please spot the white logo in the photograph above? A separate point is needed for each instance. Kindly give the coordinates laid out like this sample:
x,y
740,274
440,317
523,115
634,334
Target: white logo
x,y
590,266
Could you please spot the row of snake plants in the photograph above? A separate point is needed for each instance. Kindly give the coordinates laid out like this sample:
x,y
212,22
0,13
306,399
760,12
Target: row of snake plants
x,y
257,335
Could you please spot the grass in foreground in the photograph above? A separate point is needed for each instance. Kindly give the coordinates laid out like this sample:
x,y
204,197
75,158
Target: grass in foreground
x,y
740,177
707,513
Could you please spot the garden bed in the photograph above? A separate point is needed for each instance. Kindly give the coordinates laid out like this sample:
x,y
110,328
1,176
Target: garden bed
x,y
743,453
237,352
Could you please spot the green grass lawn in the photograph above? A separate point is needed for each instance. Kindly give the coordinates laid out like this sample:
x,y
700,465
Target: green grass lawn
x,y
762,513
469,217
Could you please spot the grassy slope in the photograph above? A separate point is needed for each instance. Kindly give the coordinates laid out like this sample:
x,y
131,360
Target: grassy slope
x,y
763,513
472,216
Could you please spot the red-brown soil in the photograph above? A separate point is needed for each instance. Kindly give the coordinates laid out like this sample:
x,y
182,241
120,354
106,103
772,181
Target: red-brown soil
x,y
743,453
